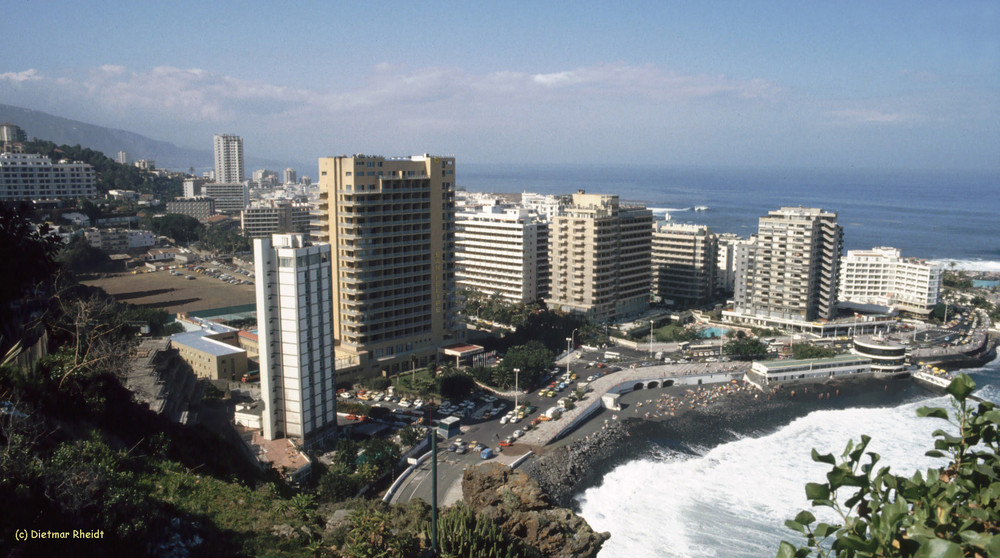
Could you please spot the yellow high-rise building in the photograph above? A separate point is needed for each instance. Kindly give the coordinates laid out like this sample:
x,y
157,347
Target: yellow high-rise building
x,y
391,222
599,258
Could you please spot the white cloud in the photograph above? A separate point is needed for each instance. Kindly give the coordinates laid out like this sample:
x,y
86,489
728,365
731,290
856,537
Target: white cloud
x,y
19,77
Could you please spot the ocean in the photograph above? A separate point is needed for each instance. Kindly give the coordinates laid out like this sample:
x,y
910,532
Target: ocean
x,y
729,493
950,217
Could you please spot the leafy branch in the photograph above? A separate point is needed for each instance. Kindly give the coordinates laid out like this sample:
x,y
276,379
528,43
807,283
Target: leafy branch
x,y
950,512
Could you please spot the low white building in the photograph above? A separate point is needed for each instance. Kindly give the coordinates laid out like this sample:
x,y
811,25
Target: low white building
x,y
120,240
881,276
809,370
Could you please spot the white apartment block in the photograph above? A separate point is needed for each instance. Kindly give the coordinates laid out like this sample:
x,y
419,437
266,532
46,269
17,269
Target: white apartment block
x,y
265,178
547,206
12,133
392,224
194,187
275,216
743,265
228,158
28,176
115,241
295,336
290,176
502,251
725,276
684,260
795,268
599,258
881,276
229,197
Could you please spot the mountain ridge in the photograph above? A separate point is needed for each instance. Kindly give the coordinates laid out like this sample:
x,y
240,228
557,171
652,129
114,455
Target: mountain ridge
x,y
67,131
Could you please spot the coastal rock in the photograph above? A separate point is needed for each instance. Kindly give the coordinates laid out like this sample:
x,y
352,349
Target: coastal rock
x,y
496,485
515,500
562,470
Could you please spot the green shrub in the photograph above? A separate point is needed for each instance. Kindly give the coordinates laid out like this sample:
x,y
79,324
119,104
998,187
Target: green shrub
x,y
950,512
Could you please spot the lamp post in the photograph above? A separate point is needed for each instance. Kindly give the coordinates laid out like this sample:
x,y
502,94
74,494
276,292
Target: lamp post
x,y
570,345
569,349
516,372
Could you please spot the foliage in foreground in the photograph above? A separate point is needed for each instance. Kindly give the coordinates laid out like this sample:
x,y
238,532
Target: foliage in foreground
x,y
950,512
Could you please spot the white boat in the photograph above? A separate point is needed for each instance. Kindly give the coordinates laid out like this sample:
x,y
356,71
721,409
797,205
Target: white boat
x,y
701,208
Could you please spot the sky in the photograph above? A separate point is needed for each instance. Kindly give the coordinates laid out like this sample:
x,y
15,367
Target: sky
x,y
888,84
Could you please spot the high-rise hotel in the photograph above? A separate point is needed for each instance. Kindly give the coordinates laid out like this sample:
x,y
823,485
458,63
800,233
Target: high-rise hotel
x,y
295,338
599,258
503,251
794,269
391,222
228,159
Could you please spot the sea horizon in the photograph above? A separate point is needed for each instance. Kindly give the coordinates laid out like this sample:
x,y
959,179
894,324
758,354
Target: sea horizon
x,y
933,215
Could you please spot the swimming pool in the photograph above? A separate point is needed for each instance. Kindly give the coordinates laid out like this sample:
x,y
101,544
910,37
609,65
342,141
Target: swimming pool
x,y
710,332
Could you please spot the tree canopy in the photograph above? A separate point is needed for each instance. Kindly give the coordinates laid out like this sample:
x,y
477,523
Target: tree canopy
x,y
181,228
745,347
805,350
80,257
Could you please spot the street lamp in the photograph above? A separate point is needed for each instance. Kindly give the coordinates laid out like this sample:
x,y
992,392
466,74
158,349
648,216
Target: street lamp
x,y
569,349
516,372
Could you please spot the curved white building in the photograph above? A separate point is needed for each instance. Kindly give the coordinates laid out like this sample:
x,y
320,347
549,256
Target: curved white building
x,y
887,356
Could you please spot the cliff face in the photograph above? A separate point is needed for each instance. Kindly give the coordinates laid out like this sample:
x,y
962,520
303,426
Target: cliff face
x,y
515,501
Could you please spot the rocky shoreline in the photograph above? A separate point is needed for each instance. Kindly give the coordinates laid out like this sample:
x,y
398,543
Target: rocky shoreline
x,y
565,471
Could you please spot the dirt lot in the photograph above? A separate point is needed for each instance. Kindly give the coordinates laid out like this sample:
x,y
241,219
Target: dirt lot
x,y
173,293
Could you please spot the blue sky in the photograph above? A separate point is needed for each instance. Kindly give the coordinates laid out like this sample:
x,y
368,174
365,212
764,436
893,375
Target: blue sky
x,y
908,85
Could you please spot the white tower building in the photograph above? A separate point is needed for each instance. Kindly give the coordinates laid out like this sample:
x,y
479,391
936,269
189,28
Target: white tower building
x,y
228,159
295,333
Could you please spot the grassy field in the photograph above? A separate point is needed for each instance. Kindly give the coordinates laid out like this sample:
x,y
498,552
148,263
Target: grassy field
x,y
173,293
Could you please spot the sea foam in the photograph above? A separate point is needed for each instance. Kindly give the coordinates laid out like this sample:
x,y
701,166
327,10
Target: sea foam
x,y
733,499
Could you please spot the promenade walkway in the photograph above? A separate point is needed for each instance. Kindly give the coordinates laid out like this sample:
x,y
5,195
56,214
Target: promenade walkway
x,y
623,381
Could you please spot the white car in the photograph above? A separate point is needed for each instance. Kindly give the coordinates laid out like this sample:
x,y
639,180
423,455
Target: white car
x,y
518,433
405,403
505,419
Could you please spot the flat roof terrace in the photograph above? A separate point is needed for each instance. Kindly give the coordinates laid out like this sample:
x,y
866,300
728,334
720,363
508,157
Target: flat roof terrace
x,y
197,340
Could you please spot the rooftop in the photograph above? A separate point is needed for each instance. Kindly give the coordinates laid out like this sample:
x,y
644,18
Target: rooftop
x,y
197,340
839,359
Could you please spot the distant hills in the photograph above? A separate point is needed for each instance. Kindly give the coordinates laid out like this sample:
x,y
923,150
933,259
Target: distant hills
x,y
110,141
